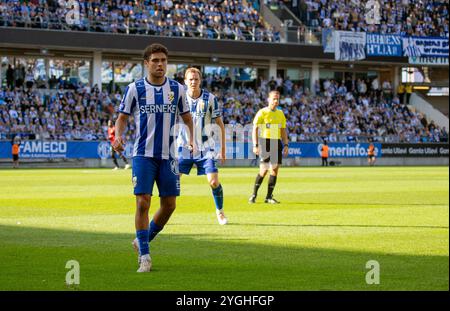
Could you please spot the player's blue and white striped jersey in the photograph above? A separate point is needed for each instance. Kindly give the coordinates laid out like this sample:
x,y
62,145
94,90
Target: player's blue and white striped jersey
x,y
204,110
155,109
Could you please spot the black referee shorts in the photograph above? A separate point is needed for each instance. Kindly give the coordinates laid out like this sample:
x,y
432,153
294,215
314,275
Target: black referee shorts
x,y
270,151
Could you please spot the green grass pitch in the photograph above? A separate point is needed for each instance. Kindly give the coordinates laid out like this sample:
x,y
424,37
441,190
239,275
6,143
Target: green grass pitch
x,y
331,222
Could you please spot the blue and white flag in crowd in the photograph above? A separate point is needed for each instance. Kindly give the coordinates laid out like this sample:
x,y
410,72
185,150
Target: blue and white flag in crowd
x,y
425,47
328,40
349,45
383,45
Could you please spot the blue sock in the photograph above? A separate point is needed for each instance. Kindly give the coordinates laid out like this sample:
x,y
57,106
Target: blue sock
x,y
142,236
218,197
153,229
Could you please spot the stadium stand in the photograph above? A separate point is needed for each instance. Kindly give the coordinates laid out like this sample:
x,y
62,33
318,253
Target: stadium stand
x,y
335,114
407,17
56,114
229,19
350,110
233,20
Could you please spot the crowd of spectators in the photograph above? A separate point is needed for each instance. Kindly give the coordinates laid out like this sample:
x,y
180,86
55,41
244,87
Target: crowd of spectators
x,y
18,76
345,111
59,114
226,19
407,17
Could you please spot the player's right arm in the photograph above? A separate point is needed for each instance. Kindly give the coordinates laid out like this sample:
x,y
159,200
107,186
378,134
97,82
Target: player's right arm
x,y
255,139
255,130
126,108
121,124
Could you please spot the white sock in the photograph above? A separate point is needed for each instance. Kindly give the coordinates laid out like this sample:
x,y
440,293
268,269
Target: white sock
x,y
145,257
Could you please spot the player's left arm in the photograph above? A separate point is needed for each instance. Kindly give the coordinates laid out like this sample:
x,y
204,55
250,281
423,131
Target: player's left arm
x,y
183,110
216,114
223,157
284,137
187,119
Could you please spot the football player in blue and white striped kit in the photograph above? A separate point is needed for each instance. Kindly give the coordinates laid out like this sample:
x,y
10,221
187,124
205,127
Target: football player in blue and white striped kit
x,y
155,102
207,117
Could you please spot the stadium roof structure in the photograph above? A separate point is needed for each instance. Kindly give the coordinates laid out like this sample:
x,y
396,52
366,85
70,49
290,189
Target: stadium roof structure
x,y
129,47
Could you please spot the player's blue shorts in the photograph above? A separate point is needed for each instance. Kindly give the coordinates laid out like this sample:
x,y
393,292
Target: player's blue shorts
x,y
204,165
148,170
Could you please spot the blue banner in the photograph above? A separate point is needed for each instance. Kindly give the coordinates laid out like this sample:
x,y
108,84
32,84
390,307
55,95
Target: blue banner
x,y
62,149
336,150
307,150
383,45
236,150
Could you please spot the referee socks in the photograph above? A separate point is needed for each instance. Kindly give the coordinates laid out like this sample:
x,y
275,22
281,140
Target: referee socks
x,y
258,182
271,186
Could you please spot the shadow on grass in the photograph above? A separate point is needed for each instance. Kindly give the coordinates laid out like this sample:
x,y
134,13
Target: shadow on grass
x,y
35,259
320,226
363,204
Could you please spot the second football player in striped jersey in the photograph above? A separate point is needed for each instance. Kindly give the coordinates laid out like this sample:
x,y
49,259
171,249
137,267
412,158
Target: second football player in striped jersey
x,y
206,115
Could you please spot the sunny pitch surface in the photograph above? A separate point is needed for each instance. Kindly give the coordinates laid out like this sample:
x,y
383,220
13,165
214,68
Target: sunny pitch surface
x,y
330,223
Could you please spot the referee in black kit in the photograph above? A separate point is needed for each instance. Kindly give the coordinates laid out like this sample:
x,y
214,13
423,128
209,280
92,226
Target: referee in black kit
x,y
269,128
